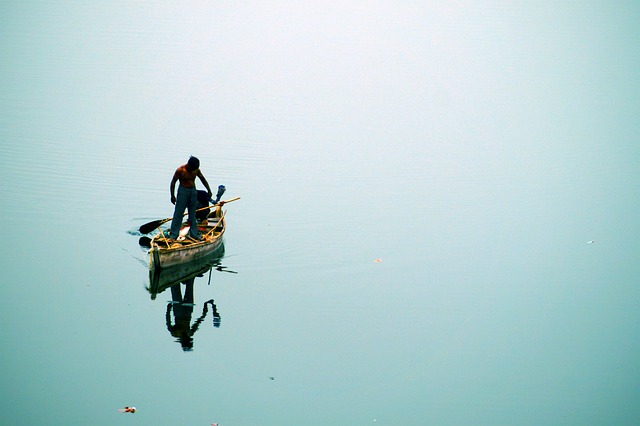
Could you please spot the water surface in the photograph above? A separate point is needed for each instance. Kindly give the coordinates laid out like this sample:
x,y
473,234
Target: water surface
x,y
438,222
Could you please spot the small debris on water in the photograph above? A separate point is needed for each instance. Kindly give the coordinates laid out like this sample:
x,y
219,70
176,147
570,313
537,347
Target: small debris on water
x,y
590,242
378,260
271,378
127,410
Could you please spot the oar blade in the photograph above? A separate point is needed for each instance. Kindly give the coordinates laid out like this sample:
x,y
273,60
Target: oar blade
x,y
145,242
150,226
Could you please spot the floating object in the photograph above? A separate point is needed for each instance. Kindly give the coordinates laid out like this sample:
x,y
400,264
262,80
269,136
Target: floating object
x,y
378,260
127,410
271,378
590,242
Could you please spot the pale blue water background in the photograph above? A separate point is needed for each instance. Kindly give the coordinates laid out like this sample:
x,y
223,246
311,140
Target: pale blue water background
x,y
474,148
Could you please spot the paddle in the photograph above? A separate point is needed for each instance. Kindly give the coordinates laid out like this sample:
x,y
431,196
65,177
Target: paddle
x,y
154,224
145,242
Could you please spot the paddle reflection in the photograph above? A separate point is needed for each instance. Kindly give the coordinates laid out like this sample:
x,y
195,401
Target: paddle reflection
x,y
179,316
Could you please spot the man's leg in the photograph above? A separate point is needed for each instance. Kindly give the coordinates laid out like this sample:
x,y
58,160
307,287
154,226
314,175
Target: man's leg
x,y
193,205
178,213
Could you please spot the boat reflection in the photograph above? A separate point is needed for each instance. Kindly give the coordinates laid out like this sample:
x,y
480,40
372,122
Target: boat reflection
x,y
180,309
161,279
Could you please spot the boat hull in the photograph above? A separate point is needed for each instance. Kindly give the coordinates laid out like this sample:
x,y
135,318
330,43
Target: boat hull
x,y
163,255
171,257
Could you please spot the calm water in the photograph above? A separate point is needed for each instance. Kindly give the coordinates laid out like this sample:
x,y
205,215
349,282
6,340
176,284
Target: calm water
x,y
438,222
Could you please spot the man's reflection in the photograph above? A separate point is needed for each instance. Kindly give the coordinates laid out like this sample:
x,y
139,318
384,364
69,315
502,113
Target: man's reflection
x,y
182,308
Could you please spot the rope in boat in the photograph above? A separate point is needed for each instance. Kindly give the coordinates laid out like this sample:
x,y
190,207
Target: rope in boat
x,y
219,223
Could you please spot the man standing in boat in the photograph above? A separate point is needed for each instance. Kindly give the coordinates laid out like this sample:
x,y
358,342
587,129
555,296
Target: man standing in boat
x,y
187,196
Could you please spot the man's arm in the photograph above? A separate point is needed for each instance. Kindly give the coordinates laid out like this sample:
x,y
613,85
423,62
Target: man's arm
x,y
204,181
173,186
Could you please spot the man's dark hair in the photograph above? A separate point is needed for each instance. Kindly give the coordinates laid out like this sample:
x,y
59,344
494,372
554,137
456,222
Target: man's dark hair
x,y
193,163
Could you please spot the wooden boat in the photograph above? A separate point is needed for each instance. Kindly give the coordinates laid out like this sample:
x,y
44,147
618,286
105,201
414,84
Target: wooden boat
x,y
162,278
165,252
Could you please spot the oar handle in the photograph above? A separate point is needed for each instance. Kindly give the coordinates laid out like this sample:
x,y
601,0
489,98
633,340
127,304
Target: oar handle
x,y
227,201
213,205
208,207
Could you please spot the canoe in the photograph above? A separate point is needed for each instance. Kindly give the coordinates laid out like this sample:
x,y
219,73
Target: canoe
x,y
161,279
165,253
